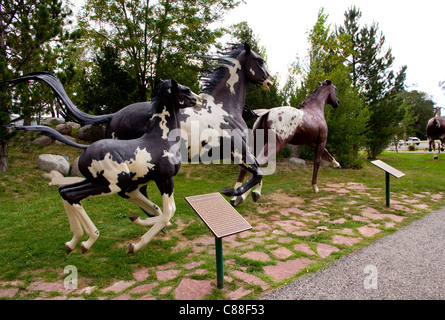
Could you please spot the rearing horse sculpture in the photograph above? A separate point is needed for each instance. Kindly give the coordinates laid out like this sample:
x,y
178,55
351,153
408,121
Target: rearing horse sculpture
x,y
217,129
435,129
305,126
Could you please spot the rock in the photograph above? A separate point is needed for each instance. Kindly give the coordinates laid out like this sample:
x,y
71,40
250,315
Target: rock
x,y
52,174
68,137
50,162
75,172
297,161
42,141
52,121
73,125
91,132
64,128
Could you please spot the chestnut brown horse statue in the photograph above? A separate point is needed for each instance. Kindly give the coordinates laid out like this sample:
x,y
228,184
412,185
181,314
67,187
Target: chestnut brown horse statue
x,y
435,129
305,126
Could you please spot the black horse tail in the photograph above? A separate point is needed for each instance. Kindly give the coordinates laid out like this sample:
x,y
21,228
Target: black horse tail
x,y
68,109
50,132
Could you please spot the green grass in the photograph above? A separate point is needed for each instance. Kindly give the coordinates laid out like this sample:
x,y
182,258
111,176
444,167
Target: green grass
x,y
34,226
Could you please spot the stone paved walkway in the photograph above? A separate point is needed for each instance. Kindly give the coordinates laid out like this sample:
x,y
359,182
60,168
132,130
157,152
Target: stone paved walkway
x,y
284,242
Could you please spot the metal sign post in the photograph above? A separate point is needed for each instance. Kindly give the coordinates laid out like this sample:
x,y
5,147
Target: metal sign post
x,y
389,171
222,219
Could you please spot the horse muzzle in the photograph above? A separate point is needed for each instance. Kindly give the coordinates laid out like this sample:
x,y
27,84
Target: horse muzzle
x,y
267,84
199,100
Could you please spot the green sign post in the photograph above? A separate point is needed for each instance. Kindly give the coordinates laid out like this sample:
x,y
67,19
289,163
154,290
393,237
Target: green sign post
x,y
390,171
222,219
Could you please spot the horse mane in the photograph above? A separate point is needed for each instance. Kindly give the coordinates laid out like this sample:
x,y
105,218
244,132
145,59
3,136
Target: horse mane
x,y
219,64
315,93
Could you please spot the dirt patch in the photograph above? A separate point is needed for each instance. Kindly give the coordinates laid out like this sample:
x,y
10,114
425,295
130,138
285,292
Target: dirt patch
x,y
277,201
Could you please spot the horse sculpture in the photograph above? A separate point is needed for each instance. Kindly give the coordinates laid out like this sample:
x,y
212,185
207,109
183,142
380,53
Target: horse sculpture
x,y
216,126
435,129
305,126
125,166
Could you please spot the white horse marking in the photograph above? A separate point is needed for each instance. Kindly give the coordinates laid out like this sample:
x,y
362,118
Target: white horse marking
x,y
285,126
163,123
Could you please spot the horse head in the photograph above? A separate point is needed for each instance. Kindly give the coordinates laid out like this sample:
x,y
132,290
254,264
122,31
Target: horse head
x,y
256,69
332,98
175,94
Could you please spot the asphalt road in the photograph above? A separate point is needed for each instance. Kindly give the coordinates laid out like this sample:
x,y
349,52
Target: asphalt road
x,y
407,265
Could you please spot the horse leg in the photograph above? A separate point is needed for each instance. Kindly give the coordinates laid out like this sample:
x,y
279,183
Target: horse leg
x,y
318,152
328,155
239,182
72,196
331,158
159,222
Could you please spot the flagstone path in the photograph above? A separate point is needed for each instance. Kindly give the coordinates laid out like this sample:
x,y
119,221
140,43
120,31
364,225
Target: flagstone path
x,y
284,242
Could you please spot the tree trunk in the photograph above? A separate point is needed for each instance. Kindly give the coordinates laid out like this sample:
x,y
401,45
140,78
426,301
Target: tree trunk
x,y
3,155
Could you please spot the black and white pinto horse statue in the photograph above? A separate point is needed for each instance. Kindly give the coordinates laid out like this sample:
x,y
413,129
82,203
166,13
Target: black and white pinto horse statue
x,y
214,131
289,125
435,129
113,166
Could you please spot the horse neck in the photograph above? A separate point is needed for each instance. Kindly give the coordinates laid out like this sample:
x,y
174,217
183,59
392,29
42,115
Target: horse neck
x,y
164,119
231,92
318,103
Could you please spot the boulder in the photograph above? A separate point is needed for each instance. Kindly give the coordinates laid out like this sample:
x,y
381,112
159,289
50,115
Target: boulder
x,y
52,121
42,141
52,174
297,161
75,172
64,128
91,133
48,162
69,138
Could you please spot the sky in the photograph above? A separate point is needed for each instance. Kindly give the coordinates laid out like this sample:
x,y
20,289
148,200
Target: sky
x,y
413,29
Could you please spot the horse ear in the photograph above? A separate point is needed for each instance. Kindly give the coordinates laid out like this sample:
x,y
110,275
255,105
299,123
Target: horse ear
x,y
247,47
320,83
174,84
328,82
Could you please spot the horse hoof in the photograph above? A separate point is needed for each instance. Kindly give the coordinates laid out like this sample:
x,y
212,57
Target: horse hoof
x,y
134,217
130,248
67,248
315,188
228,191
238,200
164,230
83,248
255,196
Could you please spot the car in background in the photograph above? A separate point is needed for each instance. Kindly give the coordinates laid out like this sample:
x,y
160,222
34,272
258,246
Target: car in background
x,y
413,140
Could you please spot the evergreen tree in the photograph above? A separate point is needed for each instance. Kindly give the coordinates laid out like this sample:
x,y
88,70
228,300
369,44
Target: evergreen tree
x,y
28,30
371,72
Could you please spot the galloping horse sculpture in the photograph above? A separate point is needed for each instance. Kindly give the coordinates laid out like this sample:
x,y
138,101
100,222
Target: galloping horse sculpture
x,y
305,126
217,125
435,129
125,166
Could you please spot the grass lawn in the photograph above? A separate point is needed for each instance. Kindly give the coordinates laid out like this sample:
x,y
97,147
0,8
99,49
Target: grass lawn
x,y
34,226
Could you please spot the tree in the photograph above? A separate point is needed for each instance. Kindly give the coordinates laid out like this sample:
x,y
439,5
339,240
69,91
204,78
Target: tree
x,y
327,54
371,71
109,88
27,29
161,39
422,107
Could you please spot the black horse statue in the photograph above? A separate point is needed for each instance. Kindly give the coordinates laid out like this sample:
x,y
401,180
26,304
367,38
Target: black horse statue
x,y
289,125
214,131
126,166
435,129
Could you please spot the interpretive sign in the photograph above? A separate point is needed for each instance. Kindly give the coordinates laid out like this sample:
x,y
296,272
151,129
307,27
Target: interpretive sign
x,y
387,168
389,171
218,214
222,219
